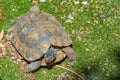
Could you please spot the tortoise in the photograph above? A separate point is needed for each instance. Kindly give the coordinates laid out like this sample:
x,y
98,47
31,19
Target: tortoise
x,y
40,39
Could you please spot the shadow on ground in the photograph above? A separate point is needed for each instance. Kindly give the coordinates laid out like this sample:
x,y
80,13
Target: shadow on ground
x,y
116,53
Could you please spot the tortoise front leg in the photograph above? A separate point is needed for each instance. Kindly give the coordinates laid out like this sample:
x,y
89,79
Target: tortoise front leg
x,y
33,66
70,53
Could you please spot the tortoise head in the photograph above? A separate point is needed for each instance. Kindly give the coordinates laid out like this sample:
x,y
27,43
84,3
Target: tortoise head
x,y
50,55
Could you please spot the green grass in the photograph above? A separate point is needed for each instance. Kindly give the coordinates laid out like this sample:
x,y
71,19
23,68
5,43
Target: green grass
x,y
9,70
96,40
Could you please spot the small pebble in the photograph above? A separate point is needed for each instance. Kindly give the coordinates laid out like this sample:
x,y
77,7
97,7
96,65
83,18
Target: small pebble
x,y
89,67
59,78
70,16
84,2
76,2
63,75
102,16
42,0
69,21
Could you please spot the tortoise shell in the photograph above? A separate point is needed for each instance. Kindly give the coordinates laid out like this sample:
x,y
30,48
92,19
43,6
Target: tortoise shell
x,y
34,32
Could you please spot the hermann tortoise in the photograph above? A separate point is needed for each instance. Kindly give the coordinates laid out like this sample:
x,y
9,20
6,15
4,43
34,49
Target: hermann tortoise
x,y
40,39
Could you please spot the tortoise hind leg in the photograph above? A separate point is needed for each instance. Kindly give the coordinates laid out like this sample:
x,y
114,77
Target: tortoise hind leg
x,y
70,53
33,66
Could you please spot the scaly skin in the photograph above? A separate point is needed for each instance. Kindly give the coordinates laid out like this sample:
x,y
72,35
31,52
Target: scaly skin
x,y
70,53
33,66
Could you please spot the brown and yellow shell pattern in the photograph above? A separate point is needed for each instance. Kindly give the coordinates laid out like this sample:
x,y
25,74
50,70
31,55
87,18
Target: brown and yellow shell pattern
x,y
34,32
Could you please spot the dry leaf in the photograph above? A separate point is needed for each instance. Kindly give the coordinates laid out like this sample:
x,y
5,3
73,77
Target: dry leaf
x,y
22,65
34,2
4,51
1,45
1,34
63,11
63,64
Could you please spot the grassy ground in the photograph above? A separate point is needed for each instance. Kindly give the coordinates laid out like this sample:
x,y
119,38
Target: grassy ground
x,y
95,31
